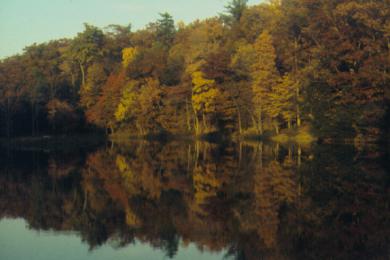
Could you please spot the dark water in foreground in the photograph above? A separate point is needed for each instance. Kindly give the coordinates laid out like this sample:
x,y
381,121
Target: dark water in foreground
x,y
180,200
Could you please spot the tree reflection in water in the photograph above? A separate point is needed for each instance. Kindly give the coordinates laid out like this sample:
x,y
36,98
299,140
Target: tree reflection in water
x,y
251,199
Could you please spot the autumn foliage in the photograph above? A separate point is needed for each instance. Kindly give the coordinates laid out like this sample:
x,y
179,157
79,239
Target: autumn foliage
x,y
262,69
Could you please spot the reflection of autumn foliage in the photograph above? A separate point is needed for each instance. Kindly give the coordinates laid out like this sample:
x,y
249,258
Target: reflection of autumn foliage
x,y
273,186
252,200
206,183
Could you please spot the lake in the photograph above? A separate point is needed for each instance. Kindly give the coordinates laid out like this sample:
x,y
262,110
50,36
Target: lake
x,y
195,200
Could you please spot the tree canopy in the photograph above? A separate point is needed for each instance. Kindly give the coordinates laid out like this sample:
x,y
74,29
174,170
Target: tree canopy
x,y
275,66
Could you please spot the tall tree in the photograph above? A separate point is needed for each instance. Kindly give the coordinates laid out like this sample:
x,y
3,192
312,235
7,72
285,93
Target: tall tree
x,y
86,48
235,9
264,76
90,91
204,97
166,29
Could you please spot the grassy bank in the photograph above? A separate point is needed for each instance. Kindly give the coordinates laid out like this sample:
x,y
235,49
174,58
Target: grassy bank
x,y
301,135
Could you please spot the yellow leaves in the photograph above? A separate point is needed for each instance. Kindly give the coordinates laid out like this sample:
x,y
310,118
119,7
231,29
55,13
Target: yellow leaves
x,y
205,182
120,112
275,5
204,93
140,102
150,95
264,73
273,95
126,173
128,56
200,82
89,92
127,102
131,218
194,67
121,163
281,98
264,69
203,38
243,59
265,55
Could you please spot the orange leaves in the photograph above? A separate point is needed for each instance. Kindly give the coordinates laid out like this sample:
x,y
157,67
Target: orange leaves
x,y
102,113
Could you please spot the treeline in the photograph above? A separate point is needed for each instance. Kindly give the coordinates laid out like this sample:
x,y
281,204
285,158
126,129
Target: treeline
x,y
252,70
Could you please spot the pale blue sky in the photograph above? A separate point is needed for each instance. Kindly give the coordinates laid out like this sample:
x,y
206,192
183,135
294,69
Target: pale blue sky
x,y
23,22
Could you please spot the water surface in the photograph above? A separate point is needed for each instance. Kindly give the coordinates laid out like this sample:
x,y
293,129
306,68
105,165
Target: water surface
x,y
195,200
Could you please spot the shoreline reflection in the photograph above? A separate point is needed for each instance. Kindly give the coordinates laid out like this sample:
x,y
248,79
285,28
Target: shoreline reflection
x,y
250,200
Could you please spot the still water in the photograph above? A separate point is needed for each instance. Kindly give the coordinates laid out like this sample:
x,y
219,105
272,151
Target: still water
x,y
195,200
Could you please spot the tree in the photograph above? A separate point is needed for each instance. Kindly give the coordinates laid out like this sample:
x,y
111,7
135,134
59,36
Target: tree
x,y
62,116
86,48
117,37
89,93
45,59
128,56
281,102
347,42
235,9
165,29
243,60
150,102
264,76
216,66
204,95
266,66
102,113
128,105
255,19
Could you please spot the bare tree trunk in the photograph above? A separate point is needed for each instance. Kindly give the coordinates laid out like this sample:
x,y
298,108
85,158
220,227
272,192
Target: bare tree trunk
x,y
204,122
299,155
276,127
261,154
277,149
297,90
188,117
298,116
85,200
188,158
82,74
297,107
239,118
240,154
254,122
196,122
261,121
239,121
196,153
197,126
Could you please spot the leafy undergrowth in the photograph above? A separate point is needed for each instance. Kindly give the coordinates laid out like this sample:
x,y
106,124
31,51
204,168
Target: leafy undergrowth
x,y
300,135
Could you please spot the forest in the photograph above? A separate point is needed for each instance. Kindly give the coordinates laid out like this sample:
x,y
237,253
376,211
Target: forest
x,y
282,66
